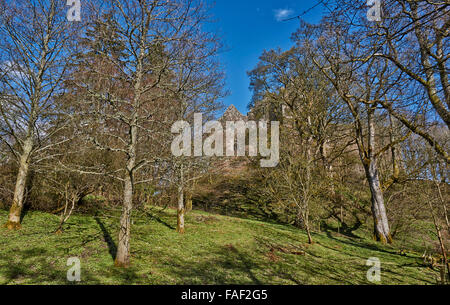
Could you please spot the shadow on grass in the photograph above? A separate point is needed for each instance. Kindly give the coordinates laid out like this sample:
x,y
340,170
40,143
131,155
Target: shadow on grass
x,y
360,242
159,219
389,262
230,265
23,213
108,239
344,230
236,197
227,266
33,266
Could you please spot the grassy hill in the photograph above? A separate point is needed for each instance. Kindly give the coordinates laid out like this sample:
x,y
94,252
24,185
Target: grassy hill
x,y
215,250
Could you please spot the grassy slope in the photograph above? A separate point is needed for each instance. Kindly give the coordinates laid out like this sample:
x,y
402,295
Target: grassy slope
x,y
215,250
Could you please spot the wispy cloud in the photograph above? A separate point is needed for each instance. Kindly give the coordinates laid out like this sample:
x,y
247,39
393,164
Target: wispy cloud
x,y
11,69
282,13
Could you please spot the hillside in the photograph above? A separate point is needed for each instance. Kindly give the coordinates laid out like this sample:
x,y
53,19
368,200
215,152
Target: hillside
x,y
215,250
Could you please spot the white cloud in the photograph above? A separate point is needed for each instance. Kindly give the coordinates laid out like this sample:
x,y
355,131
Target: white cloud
x,y
282,13
11,69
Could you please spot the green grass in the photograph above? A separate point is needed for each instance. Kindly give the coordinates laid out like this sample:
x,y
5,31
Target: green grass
x,y
215,250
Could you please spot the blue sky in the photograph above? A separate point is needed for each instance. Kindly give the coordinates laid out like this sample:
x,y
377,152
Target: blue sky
x,y
248,27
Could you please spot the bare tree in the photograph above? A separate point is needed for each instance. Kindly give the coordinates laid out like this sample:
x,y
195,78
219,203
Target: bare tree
x,y
197,86
360,81
35,56
412,36
289,87
129,80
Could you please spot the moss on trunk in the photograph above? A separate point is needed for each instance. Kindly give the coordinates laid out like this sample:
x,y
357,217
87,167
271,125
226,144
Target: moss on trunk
x,y
14,217
119,264
10,225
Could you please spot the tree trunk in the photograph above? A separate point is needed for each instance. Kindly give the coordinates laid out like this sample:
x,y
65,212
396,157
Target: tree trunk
x,y
19,191
181,210
302,221
65,215
123,248
308,231
443,250
308,183
444,205
441,242
381,225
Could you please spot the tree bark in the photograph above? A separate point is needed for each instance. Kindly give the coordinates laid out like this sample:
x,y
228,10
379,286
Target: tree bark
x,y
381,225
123,248
441,242
181,210
308,231
444,205
19,191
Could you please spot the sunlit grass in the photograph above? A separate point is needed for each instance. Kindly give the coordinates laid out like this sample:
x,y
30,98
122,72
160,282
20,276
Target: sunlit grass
x,y
215,250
